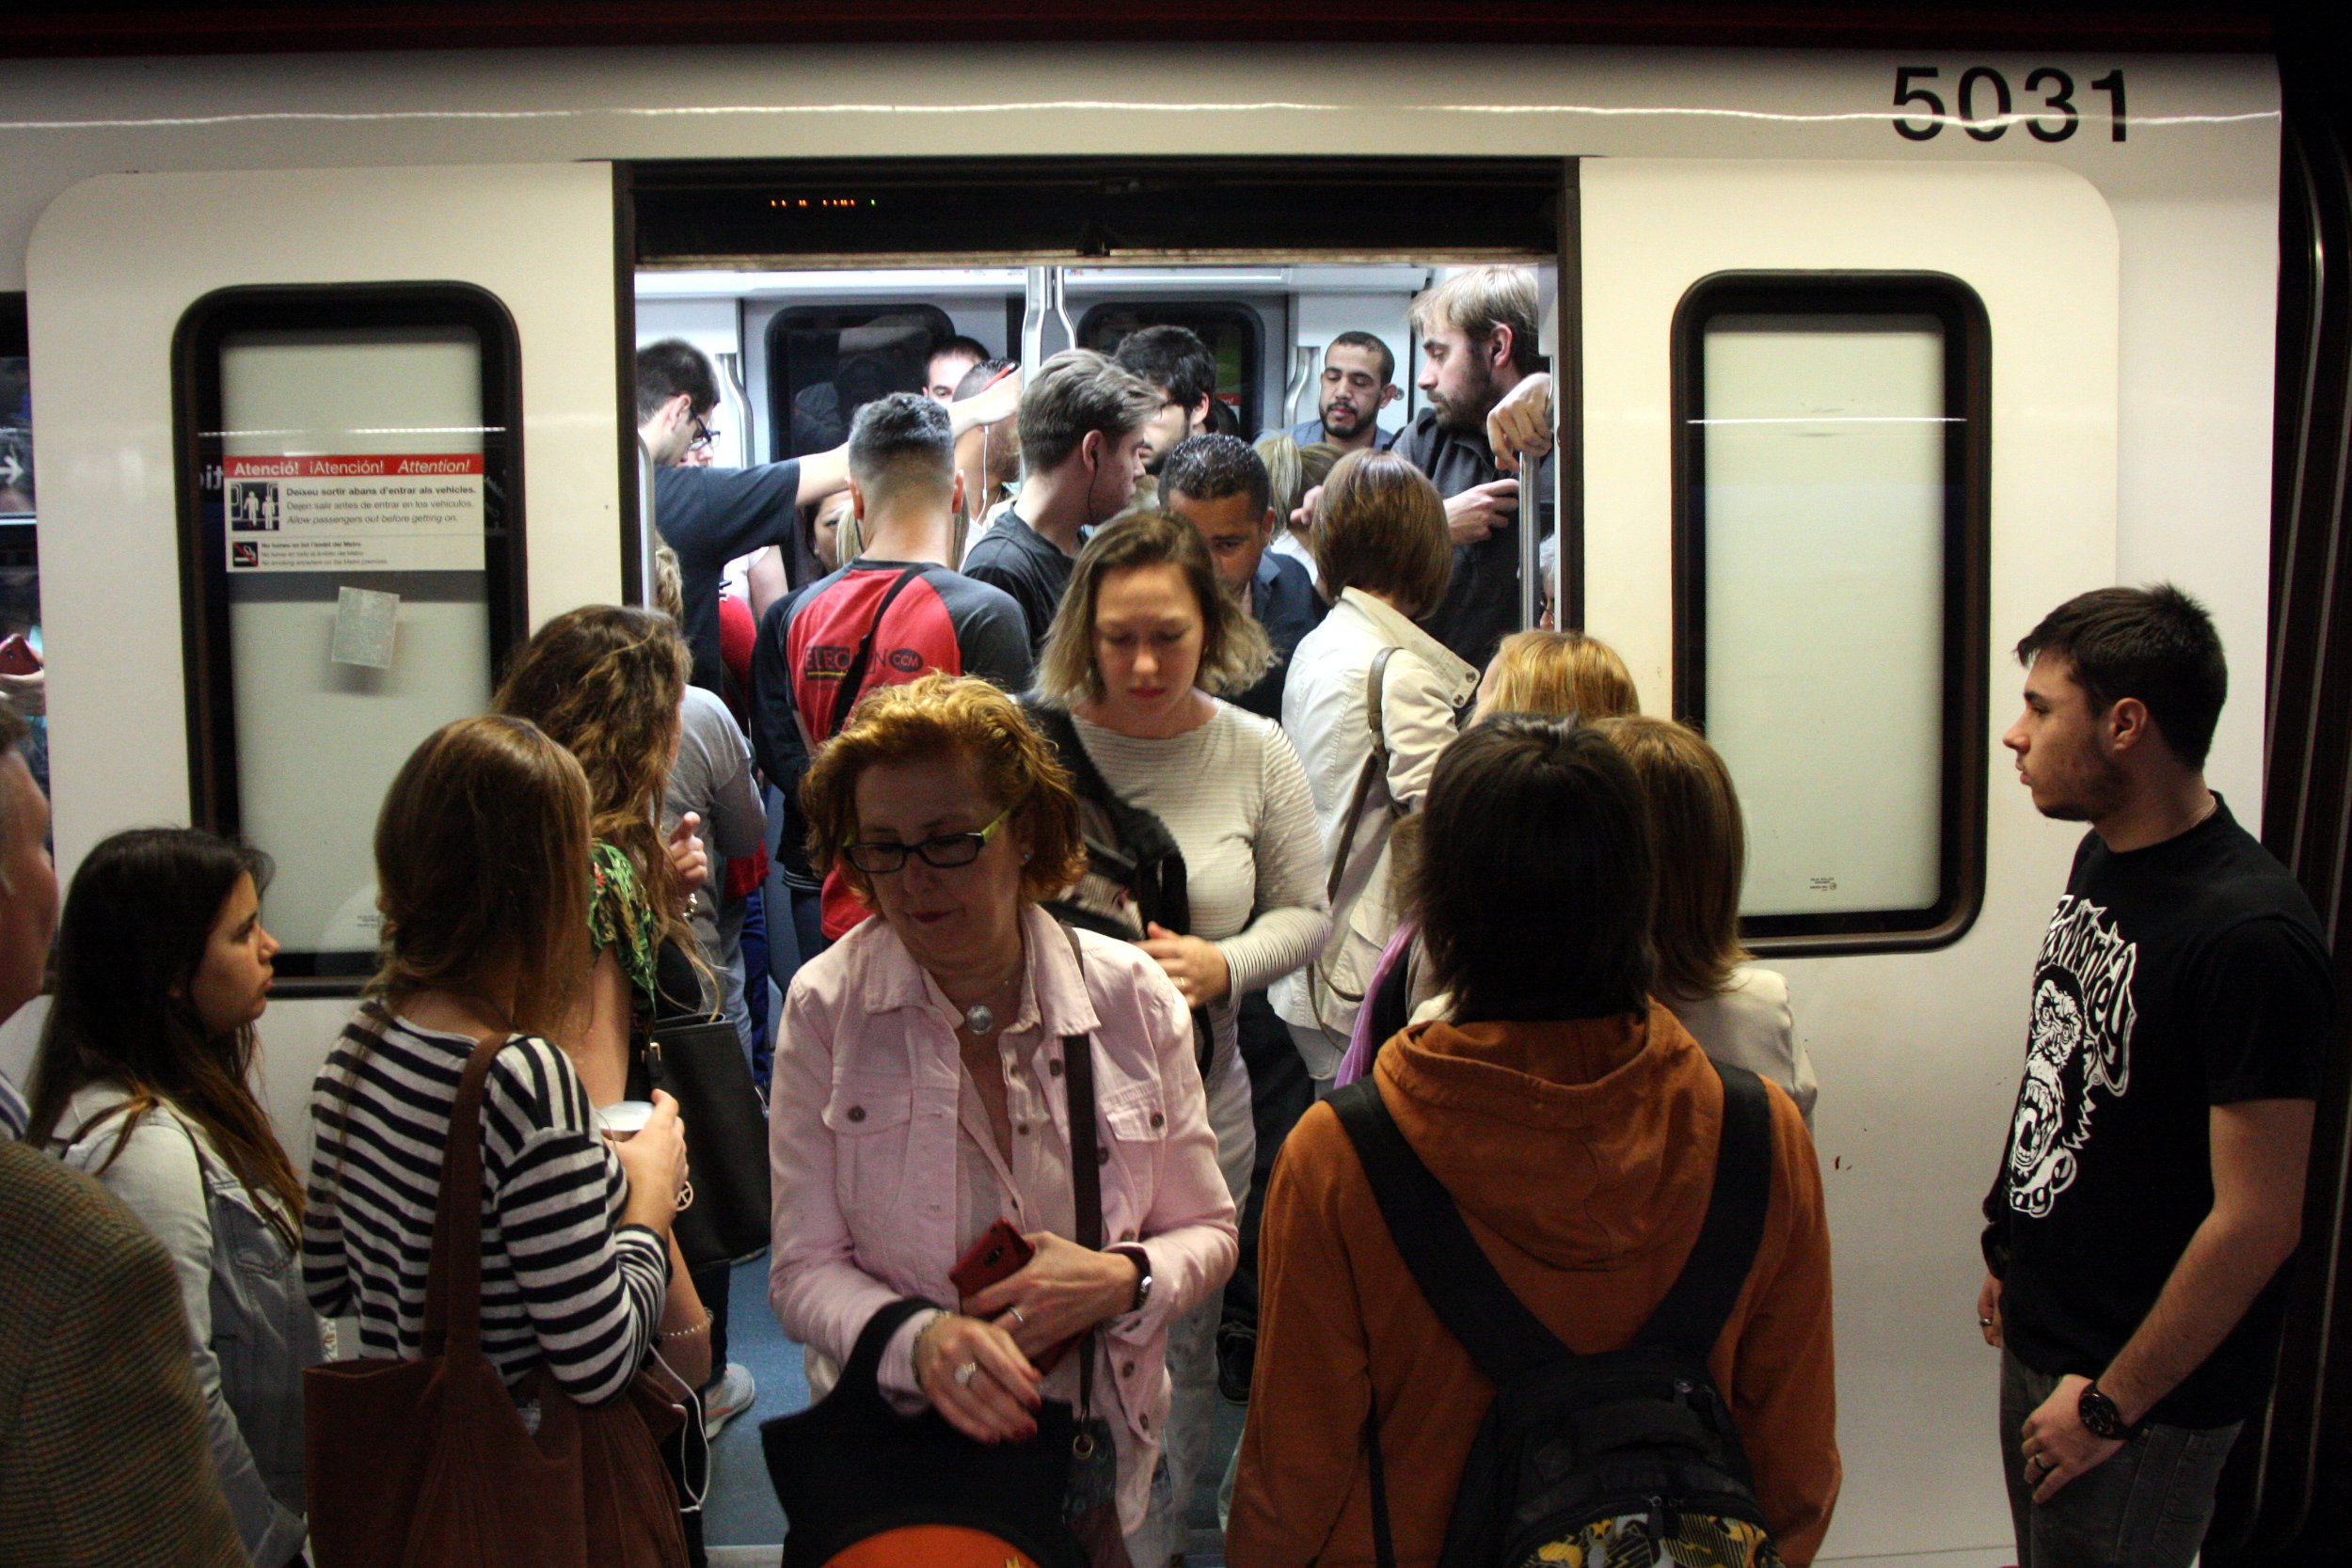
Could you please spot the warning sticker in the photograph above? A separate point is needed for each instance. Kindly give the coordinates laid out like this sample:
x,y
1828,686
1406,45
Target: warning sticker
x,y
395,512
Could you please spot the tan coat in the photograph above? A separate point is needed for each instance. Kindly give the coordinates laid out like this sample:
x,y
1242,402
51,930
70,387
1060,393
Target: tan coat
x,y
1581,1154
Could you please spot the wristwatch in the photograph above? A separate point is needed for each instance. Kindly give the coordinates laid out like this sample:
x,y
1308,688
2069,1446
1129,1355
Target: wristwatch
x,y
1142,1262
2101,1418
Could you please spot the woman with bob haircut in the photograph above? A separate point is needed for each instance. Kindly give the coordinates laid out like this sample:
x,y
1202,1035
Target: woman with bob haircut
x,y
1576,1123
1384,557
143,1079
480,857
1144,636
919,1095
1737,1012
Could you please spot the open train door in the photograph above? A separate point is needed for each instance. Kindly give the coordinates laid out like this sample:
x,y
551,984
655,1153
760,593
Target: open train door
x,y
1847,431
318,447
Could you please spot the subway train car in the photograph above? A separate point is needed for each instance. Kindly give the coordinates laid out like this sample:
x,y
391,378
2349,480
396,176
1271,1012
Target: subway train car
x,y
1868,355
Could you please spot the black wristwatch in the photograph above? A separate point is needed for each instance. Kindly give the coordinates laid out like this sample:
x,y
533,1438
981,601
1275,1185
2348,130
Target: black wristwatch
x,y
2101,1418
1142,1262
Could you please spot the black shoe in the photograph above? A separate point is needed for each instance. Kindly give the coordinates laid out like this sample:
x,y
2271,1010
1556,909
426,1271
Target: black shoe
x,y
1236,1356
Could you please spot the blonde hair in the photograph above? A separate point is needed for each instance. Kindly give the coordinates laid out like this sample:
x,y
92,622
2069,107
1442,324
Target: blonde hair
x,y
1234,648
606,682
482,868
1559,674
1380,528
1478,301
1279,452
940,719
1701,852
669,584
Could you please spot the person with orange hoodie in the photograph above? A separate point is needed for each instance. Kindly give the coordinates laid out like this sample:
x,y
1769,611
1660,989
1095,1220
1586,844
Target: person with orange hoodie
x,y
1576,1126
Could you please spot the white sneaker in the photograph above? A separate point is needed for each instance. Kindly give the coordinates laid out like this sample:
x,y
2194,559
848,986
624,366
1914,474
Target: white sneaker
x,y
728,1397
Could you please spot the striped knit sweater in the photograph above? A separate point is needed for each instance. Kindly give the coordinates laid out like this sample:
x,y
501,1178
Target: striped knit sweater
x,y
563,1284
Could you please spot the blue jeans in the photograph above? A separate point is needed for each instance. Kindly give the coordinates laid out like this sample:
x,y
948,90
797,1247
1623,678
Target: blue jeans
x,y
2147,1507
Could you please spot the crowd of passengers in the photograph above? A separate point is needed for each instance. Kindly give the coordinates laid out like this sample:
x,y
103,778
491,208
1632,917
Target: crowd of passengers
x,y
1082,732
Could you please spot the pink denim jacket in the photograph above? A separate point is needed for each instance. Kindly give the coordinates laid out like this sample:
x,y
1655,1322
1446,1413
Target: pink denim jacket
x,y
861,1139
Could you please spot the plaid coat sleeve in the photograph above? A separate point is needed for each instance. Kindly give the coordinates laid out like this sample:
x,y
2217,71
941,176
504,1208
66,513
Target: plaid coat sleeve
x,y
102,1454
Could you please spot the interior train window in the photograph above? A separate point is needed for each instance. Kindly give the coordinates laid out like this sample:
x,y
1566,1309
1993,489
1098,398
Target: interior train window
x,y
22,678
1831,528
825,362
1232,333
351,570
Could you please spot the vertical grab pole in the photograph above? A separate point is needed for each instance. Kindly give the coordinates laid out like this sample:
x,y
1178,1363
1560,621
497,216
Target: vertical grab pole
x,y
1302,375
648,538
1531,497
1033,319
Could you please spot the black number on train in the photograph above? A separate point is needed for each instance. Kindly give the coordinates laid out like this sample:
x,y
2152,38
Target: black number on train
x,y
1982,105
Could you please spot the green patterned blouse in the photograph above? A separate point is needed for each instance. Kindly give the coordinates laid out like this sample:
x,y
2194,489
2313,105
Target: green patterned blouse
x,y
621,918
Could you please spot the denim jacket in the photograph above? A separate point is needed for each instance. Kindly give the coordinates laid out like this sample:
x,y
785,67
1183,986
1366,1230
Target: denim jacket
x,y
251,1329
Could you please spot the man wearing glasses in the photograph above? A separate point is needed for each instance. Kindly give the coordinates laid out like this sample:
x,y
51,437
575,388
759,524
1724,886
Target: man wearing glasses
x,y
711,516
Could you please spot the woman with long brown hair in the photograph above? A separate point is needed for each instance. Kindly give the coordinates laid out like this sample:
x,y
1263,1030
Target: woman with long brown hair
x,y
143,1080
480,855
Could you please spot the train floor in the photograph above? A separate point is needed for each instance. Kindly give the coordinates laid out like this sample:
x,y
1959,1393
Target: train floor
x,y
741,1522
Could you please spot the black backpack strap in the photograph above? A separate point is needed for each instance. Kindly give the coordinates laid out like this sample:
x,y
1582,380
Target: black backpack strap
x,y
1383,1540
1691,1317
845,696
1456,1278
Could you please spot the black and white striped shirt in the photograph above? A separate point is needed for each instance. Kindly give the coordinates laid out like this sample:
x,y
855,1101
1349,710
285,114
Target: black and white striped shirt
x,y
564,1283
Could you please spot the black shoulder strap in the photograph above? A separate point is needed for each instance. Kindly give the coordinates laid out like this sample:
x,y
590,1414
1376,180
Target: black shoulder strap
x,y
1697,1307
1085,1165
845,696
1455,1275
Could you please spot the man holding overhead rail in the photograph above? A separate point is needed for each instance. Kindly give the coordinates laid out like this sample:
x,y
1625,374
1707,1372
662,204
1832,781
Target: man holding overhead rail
x,y
1082,447
713,516
1358,381
1478,349
2152,1184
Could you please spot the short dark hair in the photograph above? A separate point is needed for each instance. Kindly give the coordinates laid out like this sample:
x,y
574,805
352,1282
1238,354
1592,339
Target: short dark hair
x,y
670,366
1211,467
904,436
1533,879
2155,644
1173,358
976,380
1365,340
958,345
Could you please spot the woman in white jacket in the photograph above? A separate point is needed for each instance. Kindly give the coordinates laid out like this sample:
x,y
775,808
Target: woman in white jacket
x,y
1384,557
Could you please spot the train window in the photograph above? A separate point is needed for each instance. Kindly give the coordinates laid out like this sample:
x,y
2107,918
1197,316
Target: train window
x,y
351,570
1232,333
826,361
22,686
1831,527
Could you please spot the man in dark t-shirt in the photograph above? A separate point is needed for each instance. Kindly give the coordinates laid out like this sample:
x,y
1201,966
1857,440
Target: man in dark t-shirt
x,y
2151,1186
711,516
1081,449
892,614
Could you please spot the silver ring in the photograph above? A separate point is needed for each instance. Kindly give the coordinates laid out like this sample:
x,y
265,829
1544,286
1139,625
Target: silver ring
x,y
1985,1323
965,1373
1020,1317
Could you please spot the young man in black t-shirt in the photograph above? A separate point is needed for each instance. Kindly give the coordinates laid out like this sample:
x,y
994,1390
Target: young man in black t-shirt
x,y
2152,1181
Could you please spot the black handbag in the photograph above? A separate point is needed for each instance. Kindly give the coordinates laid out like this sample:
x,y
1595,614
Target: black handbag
x,y
698,1061
850,1468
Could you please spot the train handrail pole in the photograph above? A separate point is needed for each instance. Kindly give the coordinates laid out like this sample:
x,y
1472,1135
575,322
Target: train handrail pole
x,y
648,538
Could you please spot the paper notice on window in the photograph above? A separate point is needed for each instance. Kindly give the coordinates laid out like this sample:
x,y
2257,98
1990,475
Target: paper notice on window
x,y
395,512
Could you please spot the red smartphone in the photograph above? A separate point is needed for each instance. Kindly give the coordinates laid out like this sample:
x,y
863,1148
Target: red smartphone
x,y
1000,1254
17,656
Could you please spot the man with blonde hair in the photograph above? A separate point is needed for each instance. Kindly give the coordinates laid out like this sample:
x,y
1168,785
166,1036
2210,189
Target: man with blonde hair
x,y
1478,344
1082,451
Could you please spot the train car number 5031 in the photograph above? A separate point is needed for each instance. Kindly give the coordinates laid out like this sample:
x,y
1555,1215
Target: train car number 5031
x,y
1983,106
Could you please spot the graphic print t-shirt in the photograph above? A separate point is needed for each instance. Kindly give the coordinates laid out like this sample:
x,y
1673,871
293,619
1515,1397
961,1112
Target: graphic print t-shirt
x,y
939,620
2174,978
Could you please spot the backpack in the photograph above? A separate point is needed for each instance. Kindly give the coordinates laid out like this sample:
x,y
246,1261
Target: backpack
x,y
1624,1458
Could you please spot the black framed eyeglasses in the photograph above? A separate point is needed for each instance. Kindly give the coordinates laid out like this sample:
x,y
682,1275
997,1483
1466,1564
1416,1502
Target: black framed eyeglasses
x,y
704,434
947,851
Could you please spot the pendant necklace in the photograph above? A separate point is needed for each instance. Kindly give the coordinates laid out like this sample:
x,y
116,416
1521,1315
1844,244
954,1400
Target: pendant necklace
x,y
980,1019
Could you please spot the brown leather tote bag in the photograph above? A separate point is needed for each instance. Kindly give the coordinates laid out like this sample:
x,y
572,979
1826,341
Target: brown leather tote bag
x,y
419,1464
